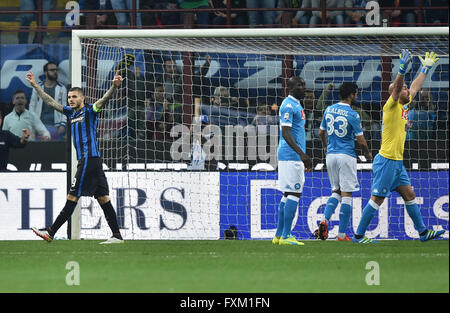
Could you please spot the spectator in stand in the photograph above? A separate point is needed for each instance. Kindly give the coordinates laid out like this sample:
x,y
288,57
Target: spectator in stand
x,y
134,95
332,17
222,97
200,83
399,16
137,91
156,110
202,18
150,18
21,118
301,18
312,115
274,109
104,19
172,115
314,110
392,16
241,16
53,120
408,17
125,19
220,17
6,108
162,19
355,17
223,110
264,119
173,92
27,18
7,140
324,102
199,159
435,16
261,18
422,117
172,80
442,115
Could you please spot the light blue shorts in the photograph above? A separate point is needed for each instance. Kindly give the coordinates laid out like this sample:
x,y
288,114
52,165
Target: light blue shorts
x,y
387,176
291,176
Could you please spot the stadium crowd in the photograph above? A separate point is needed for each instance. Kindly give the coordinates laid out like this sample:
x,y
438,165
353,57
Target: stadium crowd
x,y
221,13
158,101
152,103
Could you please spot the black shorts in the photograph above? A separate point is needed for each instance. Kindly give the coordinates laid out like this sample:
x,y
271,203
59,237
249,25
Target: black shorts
x,y
90,180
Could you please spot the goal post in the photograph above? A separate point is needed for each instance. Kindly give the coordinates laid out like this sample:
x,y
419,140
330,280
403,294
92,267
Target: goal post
x,y
189,140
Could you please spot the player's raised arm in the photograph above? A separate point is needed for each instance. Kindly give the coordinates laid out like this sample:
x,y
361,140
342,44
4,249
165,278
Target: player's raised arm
x,y
427,63
45,97
396,87
117,80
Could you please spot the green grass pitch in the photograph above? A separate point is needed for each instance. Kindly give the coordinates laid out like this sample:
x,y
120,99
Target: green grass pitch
x,y
223,266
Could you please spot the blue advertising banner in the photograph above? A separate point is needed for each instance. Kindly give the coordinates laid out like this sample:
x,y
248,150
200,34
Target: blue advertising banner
x,y
248,75
17,60
250,201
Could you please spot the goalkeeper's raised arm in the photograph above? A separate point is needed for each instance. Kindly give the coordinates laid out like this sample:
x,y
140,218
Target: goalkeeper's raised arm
x,y
117,80
427,64
396,88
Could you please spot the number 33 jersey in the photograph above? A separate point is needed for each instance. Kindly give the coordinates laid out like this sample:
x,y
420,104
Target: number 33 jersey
x,y
342,124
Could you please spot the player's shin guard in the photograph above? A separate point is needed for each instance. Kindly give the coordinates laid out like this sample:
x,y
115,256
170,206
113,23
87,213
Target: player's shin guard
x,y
280,225
345,214
289,213
111,218
414,212
332,203
63,216
368,213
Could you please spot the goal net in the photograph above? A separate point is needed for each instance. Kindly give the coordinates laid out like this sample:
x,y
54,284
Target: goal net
x,y
189,141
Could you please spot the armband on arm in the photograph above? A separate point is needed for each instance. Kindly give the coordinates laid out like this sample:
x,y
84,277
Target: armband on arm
x,y
97,110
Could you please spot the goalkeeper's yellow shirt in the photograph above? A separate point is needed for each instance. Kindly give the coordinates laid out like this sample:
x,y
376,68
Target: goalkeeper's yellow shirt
x,y
395,119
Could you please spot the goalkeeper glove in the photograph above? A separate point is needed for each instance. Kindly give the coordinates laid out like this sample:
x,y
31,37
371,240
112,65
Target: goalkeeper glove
x,y
405,58
427,63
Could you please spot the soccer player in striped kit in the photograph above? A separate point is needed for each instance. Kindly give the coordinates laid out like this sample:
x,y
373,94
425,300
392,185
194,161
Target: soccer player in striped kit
x,y
389,173
89,180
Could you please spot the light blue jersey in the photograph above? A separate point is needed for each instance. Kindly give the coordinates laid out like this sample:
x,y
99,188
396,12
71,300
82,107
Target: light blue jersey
x,y
292,115
342,124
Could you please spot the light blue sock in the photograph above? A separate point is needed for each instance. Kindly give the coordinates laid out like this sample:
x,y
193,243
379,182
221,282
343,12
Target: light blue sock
x,y
280,217
289,213
414,212
368,213
345,214
332,204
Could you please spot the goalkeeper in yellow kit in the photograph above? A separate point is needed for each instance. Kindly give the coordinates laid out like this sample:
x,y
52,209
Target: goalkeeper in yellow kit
x,y
389,173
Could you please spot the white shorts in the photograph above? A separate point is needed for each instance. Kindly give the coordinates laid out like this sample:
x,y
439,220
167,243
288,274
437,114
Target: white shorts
x,y
291,176
342,172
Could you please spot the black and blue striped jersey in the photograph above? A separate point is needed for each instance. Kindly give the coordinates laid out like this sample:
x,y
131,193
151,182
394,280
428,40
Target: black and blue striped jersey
x,y
84,130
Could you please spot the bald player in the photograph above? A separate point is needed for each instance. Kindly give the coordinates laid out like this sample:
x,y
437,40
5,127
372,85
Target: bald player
x,y
292,160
